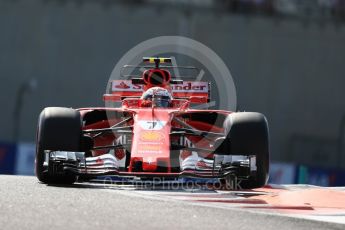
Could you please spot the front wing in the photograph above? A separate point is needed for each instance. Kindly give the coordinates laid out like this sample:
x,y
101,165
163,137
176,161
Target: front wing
x,y
76,163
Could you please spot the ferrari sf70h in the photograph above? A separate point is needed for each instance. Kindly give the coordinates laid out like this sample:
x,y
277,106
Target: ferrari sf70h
x,y
153,133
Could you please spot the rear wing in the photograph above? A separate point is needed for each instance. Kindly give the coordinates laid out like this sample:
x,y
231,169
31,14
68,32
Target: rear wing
x,y
195,91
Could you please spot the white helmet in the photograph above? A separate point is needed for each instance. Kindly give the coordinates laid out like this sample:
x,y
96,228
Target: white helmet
x,y
159,97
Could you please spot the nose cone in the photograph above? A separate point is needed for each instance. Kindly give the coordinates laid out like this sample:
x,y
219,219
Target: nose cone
x,y
151,140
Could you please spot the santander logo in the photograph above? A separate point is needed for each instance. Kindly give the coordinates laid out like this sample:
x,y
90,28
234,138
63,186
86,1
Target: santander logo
x,y
191,87
122,85
151,136
186,87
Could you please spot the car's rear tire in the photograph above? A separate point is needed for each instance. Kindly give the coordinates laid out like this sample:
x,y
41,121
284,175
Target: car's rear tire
x,y
59,129
248,135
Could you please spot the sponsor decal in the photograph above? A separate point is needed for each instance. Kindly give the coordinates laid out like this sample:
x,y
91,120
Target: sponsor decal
x,y
151,136
125,86
153,148
186,87
120,154
152,125
121,85
149,151
191,87
149,147
186,142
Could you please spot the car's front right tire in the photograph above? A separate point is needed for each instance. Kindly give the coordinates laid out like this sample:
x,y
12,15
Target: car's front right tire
x,y
59,129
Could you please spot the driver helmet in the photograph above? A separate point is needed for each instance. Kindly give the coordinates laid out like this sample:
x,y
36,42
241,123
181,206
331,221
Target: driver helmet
x,y
156,96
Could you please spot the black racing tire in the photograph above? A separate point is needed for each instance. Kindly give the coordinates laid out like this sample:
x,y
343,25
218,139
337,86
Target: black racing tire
x,y
59,129
249,135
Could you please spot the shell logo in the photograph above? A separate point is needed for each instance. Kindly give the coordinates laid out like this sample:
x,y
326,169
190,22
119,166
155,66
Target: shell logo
x,y
151,136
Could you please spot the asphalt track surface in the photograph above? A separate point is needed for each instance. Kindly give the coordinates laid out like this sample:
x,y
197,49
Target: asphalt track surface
x,y
27,204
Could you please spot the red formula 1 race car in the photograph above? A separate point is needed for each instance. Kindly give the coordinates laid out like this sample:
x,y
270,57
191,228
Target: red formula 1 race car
x,y
154,133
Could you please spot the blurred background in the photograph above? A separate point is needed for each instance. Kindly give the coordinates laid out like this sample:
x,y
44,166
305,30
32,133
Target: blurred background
x,y
287,58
